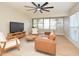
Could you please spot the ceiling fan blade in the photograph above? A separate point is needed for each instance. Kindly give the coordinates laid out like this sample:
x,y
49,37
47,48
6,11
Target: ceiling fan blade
x,y
35,11
47,7
44,4
30,9
38,5
34,4
29,6
41,11
46,10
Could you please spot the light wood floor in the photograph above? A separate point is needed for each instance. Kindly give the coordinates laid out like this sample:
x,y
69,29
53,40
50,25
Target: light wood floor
x,y
63,48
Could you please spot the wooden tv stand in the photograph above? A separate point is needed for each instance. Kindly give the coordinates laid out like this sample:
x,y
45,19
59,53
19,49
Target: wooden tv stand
x,y
16,35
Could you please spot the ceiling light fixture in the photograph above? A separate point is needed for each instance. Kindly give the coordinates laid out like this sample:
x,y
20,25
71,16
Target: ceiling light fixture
x,y
38,9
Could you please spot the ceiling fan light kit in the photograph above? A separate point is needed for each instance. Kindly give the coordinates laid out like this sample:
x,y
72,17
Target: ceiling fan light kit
x,y
39,7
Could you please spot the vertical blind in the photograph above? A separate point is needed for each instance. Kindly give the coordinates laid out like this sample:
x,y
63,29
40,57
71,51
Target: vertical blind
x,y
49,24
44,23
74,27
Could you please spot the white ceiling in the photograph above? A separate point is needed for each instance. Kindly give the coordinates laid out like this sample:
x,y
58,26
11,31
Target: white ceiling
x,y
59,7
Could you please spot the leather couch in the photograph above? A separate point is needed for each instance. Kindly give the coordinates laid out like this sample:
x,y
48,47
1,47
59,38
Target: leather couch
x,y
46,45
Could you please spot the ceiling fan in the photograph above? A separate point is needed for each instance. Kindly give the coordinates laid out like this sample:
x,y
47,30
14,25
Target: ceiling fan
x,y
39,7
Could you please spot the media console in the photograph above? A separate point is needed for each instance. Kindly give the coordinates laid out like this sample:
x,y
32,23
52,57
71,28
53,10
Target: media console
x,y
16,35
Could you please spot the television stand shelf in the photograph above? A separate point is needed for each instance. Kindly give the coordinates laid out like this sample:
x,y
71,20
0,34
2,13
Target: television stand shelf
x,y
16,35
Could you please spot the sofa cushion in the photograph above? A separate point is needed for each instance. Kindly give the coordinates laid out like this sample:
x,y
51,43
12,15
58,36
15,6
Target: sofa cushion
x,y
52,36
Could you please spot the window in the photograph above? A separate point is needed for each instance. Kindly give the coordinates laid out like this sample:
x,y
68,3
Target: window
x,y
46,23
74,26
40,23
34,23
73,20
53,24
49,24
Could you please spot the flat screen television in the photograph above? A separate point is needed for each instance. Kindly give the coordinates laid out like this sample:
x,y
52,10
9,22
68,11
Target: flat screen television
x,y
16,27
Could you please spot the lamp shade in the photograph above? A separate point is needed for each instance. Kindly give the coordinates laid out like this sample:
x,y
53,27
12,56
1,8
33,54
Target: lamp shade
x,y
2,37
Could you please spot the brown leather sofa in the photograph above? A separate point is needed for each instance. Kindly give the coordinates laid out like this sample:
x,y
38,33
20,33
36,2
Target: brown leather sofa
x,y
47,45
16,35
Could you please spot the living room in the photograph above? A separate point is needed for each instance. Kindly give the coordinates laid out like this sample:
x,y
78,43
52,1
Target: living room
x,y
57,19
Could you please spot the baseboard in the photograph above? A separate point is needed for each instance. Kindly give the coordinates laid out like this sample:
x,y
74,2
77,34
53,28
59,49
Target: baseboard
x,y
75,43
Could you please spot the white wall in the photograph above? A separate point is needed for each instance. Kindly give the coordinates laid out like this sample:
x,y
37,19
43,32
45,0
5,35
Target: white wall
x,y
47,14
8,14
66,26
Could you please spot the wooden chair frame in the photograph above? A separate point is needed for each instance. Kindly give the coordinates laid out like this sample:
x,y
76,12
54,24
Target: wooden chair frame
x,y
3,49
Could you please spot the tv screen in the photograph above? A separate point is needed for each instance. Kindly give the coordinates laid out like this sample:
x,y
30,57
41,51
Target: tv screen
x,y
16,27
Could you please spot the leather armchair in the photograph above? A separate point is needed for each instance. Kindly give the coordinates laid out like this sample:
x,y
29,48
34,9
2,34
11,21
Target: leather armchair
x,y
46,45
